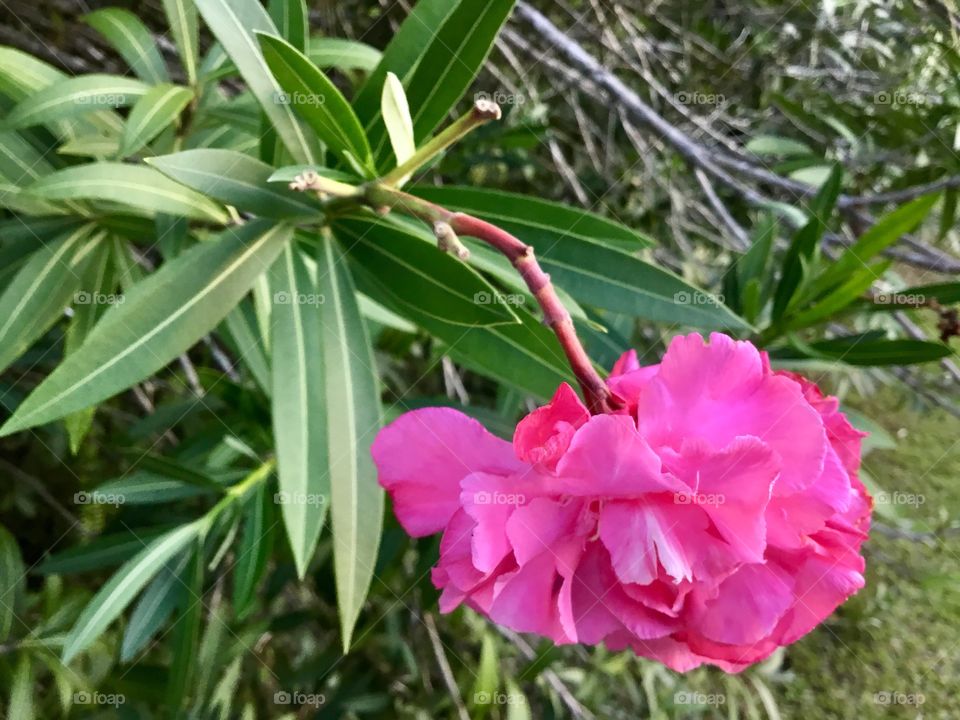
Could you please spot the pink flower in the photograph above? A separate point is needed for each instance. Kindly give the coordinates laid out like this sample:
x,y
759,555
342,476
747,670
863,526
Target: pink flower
x,y
718,517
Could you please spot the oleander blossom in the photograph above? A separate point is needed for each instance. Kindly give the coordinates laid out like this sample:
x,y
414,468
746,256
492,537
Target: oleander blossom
x,y
717,517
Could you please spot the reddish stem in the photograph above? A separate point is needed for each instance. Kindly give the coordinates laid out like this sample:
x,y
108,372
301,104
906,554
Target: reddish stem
x,y
595,391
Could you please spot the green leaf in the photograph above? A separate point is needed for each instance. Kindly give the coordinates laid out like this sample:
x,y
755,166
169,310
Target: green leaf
x,y
396,116
299,404
591,272
881,235
75,96
353,405
254,549
21,689
342,54
234,23
236,179
187,630
182,18
315,98
537,222
13,578
447,66
292,20
856,284
805,244
20,162
775,145
39,293
162,596
112,599
143,189
143,487
411,268
132,40
161,317
152,114
487,681
869,350
290,172
250,348
94,146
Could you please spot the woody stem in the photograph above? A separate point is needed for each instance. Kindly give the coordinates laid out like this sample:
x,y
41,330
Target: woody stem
x,y
597,394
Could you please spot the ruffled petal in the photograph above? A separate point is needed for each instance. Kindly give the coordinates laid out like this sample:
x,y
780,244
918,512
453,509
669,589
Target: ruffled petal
x,y
543,436
421,458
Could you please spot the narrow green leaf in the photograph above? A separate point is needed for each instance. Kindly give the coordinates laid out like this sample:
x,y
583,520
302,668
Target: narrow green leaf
x,y
187,630
13,578
299,404
142,189
21,689
869,350
236,179
162,596
856,284
112,599
75,96
881,235
152,114
775,145
342,54
396,116
132,39
292,20
254,549
805,243
161,317
353,406
182,18
101,552
402,56
250,347
540,223
97,146
317,100
447,66
416,273
39,293
234,23
143,487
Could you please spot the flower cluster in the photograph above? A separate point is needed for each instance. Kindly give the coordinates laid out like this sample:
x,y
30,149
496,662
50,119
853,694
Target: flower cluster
x,y
715,518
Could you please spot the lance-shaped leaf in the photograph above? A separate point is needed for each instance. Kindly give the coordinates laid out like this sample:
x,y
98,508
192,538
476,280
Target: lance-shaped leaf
x,y
415,273
299,404
342,54
353,409
292,21
182,17
145,190
317,100
154,607
396,116
236,179
162,316
152,114
234,23
254,548
76,96
112,599
38,294
132,40
449,63
13,578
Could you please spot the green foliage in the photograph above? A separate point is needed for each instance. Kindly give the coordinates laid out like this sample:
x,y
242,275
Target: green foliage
x,y
210,353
